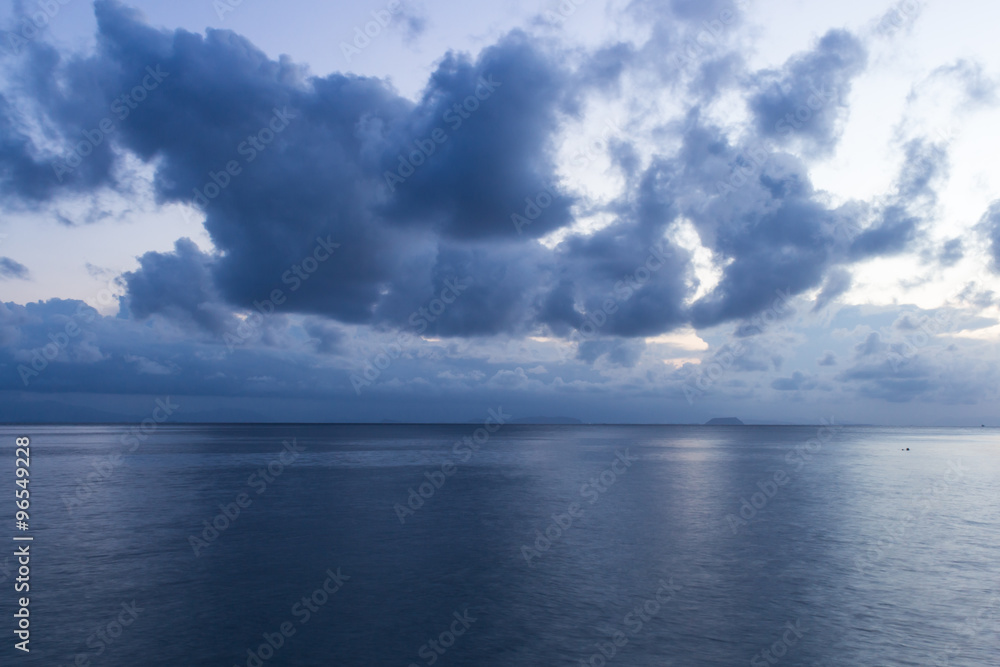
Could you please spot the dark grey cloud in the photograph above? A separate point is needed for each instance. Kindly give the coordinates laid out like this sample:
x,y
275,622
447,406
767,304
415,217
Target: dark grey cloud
x,y
699,10
717,74
495,119
618,351
19,171
912,358
604,68
10,268
413,22
871,345
179,286
837,282
65,346
685,36
773,227
906,322
491,287
805,99
754,360
897,374
417,193
973,294
923,163
625,279
755,206
794,383
951,252
278,160
989,226
891,234
901,214
893,388
327,337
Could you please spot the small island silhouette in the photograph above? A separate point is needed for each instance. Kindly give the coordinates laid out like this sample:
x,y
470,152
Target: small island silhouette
x,y
724,421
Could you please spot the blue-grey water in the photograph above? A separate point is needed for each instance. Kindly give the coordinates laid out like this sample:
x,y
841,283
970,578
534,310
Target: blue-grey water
x,y
685,545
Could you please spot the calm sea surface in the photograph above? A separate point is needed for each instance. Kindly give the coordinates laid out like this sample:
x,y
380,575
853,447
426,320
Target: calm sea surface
x,y
537,545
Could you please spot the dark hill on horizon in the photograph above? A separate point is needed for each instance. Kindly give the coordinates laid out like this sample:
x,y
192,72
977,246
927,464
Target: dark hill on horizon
x,y
724,421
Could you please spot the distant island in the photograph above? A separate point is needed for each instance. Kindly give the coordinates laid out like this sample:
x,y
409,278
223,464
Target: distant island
x,y
724,421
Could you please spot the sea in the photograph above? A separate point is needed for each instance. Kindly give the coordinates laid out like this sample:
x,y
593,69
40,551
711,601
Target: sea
x,y
502,544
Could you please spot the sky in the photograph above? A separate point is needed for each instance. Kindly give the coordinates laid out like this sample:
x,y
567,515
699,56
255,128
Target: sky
x,y
623,211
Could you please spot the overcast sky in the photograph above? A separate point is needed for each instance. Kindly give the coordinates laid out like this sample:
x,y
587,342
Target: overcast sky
x,y
615,211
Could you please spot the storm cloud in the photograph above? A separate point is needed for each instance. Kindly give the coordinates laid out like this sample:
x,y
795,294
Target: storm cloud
x,y
341,213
